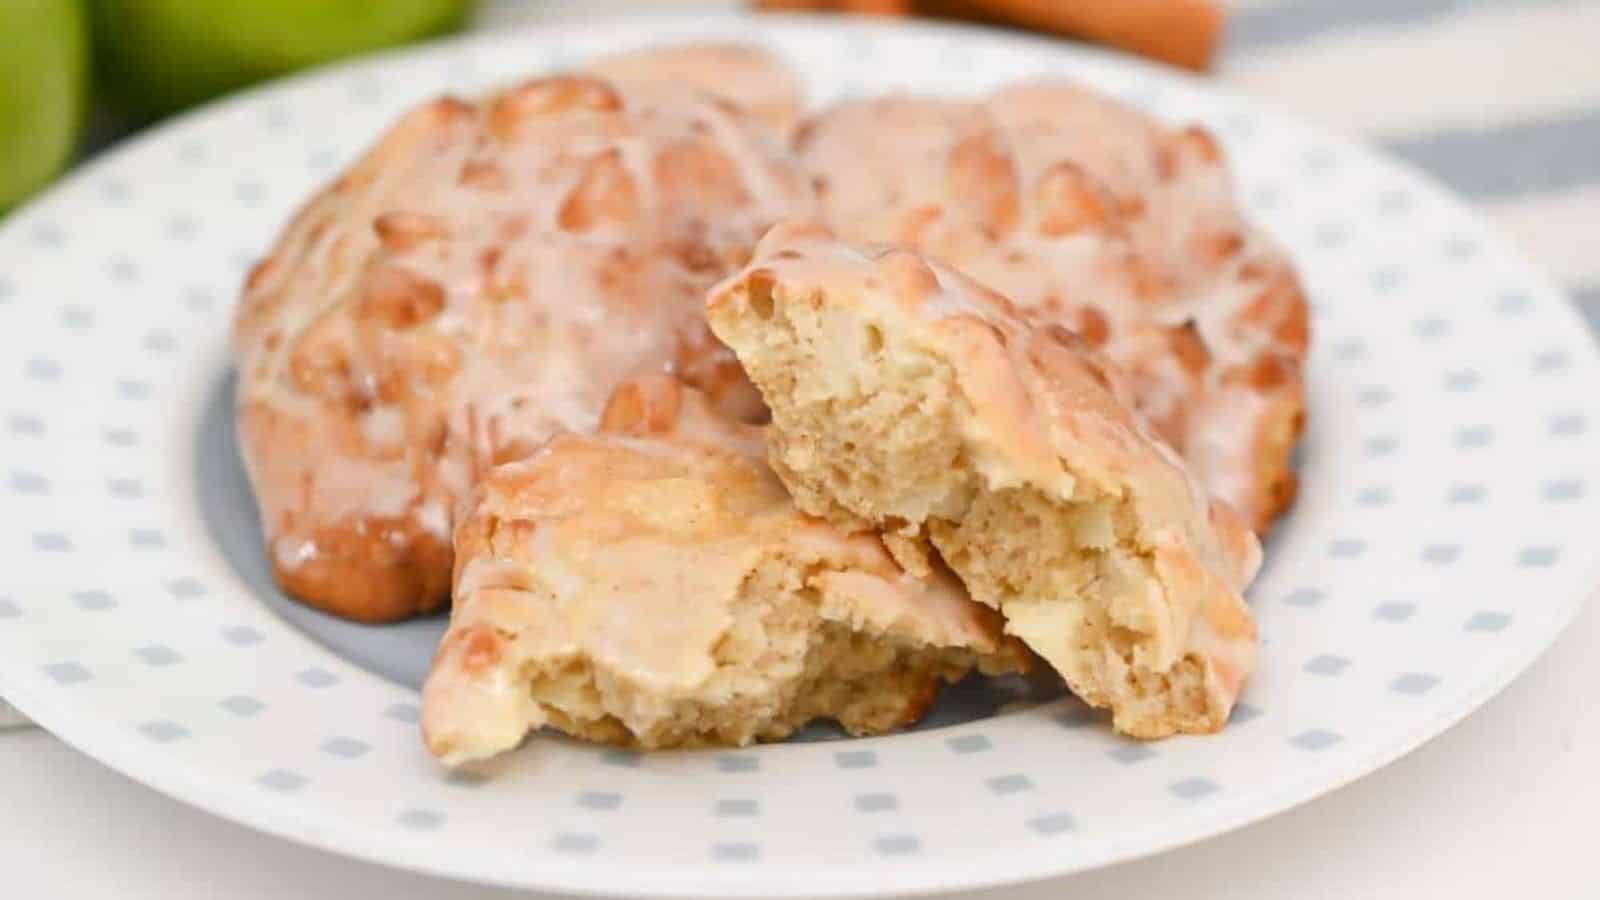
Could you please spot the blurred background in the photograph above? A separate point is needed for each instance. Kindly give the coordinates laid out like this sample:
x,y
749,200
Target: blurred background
x,y
76,75
1500,99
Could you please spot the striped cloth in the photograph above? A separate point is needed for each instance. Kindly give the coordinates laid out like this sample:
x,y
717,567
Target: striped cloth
x,y
1500,99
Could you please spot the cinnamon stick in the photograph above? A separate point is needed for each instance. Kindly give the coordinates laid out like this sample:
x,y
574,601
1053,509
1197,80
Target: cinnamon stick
x,y
867,7
1181,32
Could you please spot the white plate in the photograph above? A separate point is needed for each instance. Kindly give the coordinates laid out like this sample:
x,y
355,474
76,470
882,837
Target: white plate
x,y
1443,538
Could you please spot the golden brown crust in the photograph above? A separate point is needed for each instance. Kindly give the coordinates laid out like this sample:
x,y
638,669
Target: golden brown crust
x,y
743,74
907,398
1089,214
653,585
481,278
385,573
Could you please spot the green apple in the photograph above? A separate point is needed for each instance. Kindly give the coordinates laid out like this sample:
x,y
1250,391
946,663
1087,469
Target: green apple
x,y
159,56
44,88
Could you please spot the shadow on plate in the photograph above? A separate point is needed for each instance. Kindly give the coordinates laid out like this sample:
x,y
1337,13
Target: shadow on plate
x,y
401,652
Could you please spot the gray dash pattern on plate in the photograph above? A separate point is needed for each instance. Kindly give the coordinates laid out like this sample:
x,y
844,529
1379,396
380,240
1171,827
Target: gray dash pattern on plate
x,y
1488,621
738,763
242,706
158,655
876,802
163,731
897,845
568,842
50,541
855,759
1550,361
600,800
67,673
77,318
1374,496
735,851
1568,425
736,807
1327,664
420,819
1375,396
242,636
1315,739
146,538
185,588
1441,554
1346,548
1393,612
1052,824
41,369
1303,597
29,483
1539,557
1193,788
1432,327
316,678
1414,683
93,601
282,780
345,747
1009,784
1131,752
1562,491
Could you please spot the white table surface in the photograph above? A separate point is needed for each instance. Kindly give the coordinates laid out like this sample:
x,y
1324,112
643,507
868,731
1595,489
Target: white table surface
x,y
1498,807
